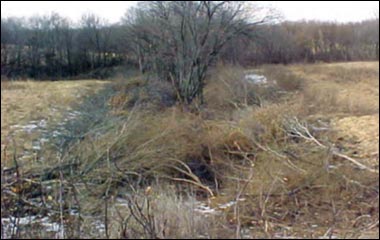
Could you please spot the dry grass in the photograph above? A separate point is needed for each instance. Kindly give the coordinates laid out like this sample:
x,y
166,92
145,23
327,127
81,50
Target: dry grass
x,y
291,186
227,90
360,137
347,96
26,101
294,189
351,89
173,216
283,77
234,149
29,108
298,189
31,100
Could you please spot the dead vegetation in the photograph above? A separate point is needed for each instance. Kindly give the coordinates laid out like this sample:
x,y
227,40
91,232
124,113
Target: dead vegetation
x,y
270,161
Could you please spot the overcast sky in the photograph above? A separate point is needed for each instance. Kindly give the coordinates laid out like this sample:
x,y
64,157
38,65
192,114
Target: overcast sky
x,y
113,10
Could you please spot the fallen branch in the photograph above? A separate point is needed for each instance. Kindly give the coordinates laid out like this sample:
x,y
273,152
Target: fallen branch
x,y
298,129
195,184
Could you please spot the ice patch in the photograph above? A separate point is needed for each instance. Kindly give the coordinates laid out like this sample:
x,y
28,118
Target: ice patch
x,y
42,123
227,205
256,79
36,147
50,226
26,128
30,128
99,226
122,202
44,140
11,223
56,133
203,209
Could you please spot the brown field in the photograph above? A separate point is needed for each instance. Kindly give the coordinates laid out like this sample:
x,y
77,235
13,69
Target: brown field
x,y
30,100
30,103
354,110
239,156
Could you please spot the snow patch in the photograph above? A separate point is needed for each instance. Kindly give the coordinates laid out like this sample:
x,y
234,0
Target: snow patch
x,y
256,79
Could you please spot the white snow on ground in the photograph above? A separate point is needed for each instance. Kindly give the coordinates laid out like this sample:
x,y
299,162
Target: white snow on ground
x,y
203,208
256,79
12,223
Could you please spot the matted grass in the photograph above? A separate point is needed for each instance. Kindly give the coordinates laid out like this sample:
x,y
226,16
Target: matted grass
x,y
239,156
28,107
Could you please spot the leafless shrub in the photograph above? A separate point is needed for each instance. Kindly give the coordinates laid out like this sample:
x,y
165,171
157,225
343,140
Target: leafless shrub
x,y
160,212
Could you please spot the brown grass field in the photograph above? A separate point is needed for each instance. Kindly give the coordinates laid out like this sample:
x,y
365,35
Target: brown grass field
x,y
297,157
26,103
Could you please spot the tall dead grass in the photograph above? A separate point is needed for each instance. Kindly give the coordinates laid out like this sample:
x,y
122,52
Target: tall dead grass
x,y
346,89
283,77
167,214
278,184
227,90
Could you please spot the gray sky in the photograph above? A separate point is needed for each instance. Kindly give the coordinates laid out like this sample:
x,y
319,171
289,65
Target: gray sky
x,y
113,10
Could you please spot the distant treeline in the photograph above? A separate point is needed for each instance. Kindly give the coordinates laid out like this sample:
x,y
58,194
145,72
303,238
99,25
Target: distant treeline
x,y
52,46
293,42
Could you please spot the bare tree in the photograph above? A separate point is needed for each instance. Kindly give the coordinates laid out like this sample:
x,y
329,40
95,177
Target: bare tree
x,y
184,38
96,34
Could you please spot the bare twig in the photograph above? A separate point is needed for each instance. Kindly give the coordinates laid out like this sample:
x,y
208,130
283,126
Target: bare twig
x,y
62,227
298,129
236,207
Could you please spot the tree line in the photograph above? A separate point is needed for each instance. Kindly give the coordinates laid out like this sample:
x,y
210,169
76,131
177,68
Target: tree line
x,y
54,47
309,42
178,41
